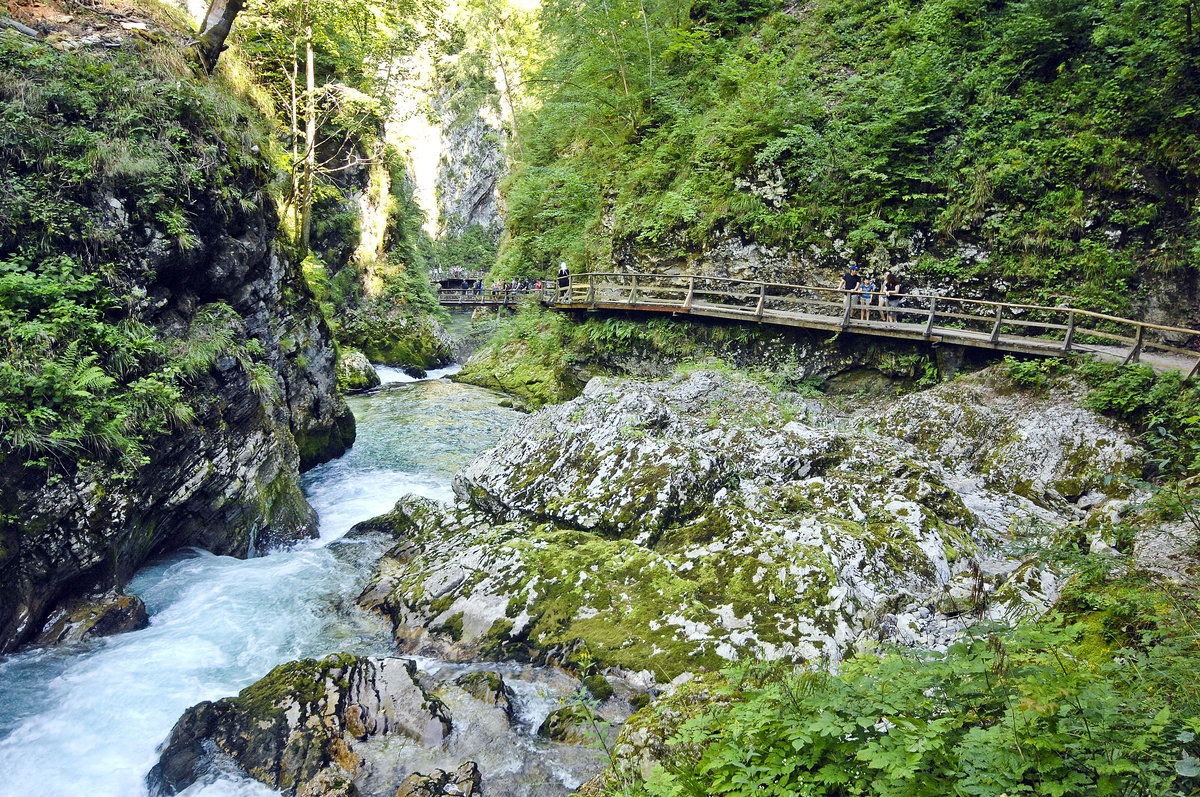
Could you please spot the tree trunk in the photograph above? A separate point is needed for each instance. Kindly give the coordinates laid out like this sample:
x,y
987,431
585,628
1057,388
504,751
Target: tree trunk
x,y
508,93
310,142
217,24
294,131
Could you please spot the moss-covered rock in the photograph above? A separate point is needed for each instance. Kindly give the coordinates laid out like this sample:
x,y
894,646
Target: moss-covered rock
x,y
680,525
1046,448
299,723
462,782
354,371
416,342
530,376
94,616
572,724
489,688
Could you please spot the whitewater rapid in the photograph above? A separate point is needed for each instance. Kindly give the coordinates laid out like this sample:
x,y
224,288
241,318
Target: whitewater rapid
x,y
87,719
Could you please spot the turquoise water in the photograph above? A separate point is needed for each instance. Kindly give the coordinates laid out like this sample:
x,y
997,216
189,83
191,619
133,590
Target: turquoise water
x,y
87,719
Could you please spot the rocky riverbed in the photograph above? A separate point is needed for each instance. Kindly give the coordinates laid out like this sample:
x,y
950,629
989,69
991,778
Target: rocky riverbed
x,y
647,532
670,526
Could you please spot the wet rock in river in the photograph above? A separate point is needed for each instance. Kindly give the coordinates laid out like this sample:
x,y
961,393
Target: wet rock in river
x,y
354,371
489,688
572,724
94,616
462,782
296,728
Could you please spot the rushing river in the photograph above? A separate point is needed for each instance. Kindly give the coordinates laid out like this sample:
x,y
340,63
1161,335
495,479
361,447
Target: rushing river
x,y
86,719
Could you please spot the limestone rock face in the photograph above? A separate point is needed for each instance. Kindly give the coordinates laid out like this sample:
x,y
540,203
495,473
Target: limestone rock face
x,y
683,524
1048,449
229,480
472,159
94,616
355,372
295,729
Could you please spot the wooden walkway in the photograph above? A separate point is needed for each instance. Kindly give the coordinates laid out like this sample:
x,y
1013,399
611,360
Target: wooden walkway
x,y
1000,326
485,297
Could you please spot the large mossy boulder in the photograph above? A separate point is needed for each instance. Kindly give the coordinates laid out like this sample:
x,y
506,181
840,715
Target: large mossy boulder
x,y
1045,447
295,729
683,524
533,377
354,371
415,342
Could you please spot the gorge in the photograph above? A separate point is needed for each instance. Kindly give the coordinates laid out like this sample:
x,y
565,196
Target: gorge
x,y
272,521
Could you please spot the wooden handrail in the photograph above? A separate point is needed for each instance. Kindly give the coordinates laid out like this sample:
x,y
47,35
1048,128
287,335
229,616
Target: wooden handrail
x,y
1064,309
965,321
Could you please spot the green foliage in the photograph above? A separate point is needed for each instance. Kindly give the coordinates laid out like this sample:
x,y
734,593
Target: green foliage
x,y
1033,374
1162,408
1060,136
1015,712
473,251
98,154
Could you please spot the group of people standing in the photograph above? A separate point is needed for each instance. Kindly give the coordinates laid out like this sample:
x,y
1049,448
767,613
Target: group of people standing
x,y
866,294
521,285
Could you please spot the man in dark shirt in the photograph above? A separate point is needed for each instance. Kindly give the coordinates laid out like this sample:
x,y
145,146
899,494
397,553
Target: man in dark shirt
x,y
850,282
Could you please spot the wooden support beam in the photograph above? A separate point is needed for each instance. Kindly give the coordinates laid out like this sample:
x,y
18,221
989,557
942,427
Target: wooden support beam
x,y
762,300
633,291
1195,369
591,294
691,294
1070,332
932,315
1135,354
995,338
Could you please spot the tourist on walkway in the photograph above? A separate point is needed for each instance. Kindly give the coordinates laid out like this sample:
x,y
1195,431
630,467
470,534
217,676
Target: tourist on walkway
x,y
868,297
850,282
891,294
564,281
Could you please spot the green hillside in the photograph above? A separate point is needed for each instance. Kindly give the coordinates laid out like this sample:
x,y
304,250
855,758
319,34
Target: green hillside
x,y
1050,145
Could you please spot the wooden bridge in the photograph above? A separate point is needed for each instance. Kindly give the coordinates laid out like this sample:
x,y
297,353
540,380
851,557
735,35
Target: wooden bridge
x,y
483,297
1001,326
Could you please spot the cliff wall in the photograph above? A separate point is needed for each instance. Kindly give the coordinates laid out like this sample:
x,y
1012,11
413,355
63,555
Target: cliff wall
x,y
166,375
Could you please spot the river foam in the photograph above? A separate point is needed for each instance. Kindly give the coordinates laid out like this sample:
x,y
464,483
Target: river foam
x,y
87,719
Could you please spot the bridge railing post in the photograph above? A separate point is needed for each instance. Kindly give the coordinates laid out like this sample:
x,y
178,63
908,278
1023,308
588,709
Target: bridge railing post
x,y
591,294
633,290
1070,332
932,316
762,300
1135,354
995,337
687,303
